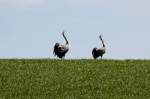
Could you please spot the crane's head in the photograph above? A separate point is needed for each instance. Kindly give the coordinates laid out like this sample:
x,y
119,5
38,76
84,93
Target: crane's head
x,y
63,32
100,36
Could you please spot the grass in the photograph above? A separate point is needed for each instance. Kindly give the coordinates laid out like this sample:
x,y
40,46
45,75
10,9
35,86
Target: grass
x,y
74,79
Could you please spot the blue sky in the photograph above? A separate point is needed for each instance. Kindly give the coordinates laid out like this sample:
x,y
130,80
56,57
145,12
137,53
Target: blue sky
x,y
30,28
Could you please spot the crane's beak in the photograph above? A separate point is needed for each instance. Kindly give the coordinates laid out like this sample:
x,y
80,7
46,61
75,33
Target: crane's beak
x,y
63,33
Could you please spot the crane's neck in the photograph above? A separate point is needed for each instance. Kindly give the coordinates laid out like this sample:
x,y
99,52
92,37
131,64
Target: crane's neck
x,y
102,41
65,39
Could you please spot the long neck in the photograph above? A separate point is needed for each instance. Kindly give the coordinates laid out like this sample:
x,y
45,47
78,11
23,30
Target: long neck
x,y
65,39
102,41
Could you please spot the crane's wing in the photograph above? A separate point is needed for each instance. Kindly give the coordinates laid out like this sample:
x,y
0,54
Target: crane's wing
x,y
63,48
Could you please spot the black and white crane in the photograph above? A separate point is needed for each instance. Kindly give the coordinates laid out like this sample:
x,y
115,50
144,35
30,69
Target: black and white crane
x,y
60,50
99,51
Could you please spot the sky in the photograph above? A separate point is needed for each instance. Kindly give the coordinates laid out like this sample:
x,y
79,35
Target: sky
x,y
30,28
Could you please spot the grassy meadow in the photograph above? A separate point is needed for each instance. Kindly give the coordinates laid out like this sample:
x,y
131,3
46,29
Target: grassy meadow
x,y
74,79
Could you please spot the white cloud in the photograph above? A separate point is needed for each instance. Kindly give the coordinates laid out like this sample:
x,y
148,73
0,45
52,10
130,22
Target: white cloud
x,y
22,3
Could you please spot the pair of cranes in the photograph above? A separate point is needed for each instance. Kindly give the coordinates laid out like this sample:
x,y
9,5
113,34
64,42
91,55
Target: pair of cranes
x,y
61,50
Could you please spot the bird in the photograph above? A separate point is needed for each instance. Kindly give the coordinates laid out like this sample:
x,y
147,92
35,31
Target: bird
x,y
96,52
60,50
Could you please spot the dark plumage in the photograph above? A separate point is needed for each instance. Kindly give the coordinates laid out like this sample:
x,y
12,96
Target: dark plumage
x,y
61,50
99,51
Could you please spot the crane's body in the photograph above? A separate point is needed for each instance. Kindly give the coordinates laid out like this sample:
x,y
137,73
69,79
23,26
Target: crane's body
x,y
98,52
61,50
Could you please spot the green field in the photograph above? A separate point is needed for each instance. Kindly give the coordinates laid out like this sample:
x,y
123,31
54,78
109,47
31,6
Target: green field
x,y
74,79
